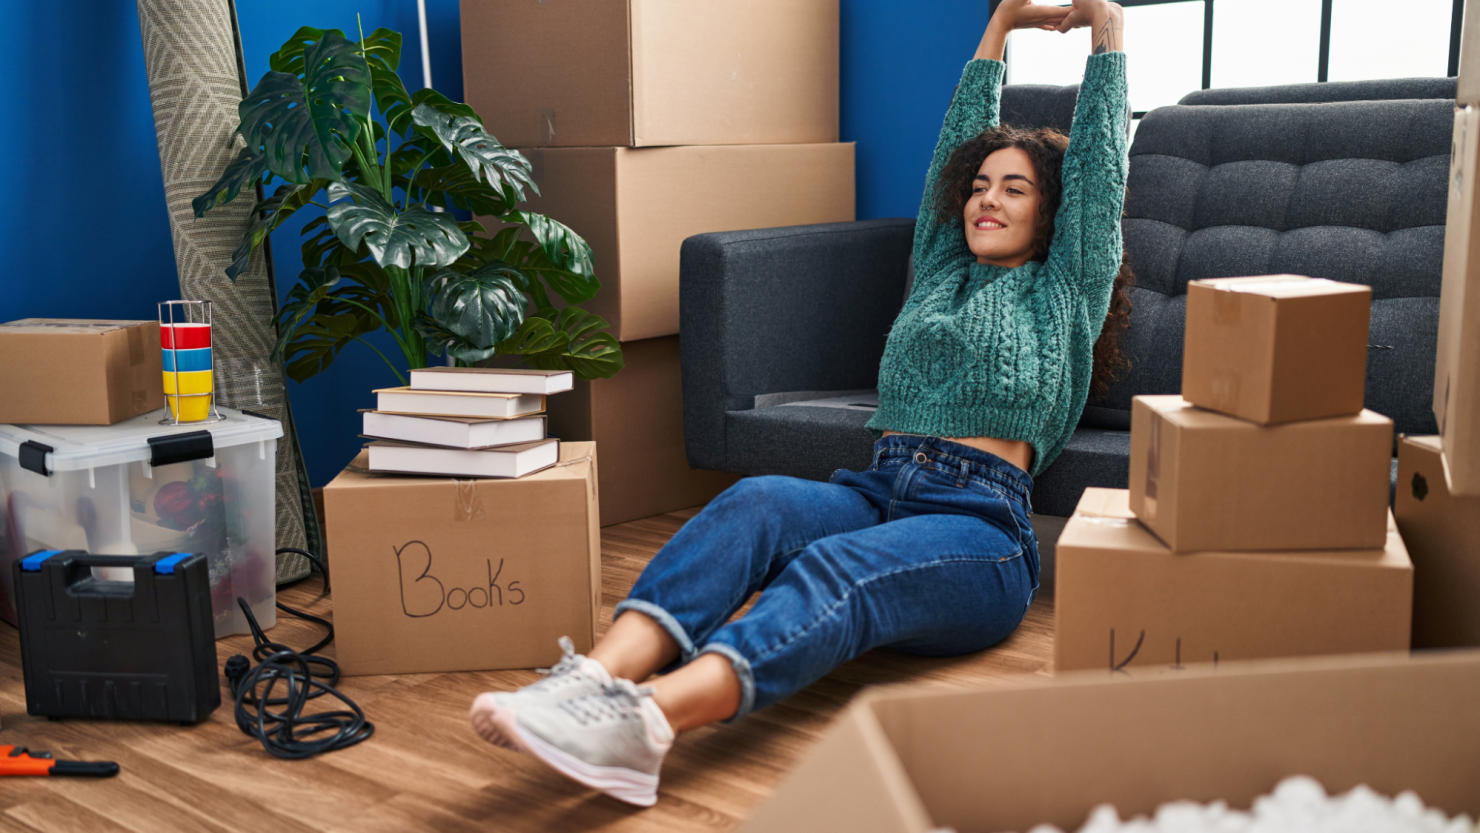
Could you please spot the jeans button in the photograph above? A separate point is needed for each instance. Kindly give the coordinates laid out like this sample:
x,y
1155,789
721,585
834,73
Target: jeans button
x,y
920,457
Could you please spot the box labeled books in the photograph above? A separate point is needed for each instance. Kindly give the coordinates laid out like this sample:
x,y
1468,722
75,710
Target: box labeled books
x,y
450,574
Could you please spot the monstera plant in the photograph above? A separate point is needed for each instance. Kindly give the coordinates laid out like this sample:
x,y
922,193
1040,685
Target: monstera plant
x,y
334,123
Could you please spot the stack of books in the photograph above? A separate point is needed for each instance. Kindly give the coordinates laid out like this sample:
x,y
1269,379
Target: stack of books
x,y
465,422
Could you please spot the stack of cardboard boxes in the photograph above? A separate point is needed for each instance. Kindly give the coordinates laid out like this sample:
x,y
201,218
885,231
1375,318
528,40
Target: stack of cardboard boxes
x,y
1256,523
646,122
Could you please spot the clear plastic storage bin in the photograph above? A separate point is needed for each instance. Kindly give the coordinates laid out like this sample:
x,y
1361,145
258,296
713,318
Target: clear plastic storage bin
x,y
140,487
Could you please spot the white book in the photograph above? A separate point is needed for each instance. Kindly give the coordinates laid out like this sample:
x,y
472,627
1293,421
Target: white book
x,y
492,380
456,432
457,403
505,461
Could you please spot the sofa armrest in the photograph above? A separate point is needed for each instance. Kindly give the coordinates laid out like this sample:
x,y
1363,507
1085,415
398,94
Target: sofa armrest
x,y
799,308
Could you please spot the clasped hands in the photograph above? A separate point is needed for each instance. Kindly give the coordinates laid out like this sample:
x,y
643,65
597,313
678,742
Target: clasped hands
x,y
1025,14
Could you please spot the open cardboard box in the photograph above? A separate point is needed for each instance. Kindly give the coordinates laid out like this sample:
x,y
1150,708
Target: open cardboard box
x,y
907,760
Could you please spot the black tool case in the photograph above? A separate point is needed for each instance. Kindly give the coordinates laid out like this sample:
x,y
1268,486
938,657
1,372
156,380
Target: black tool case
x,y
140,650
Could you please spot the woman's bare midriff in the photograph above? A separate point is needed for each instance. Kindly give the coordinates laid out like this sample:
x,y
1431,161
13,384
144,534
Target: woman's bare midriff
x,y
1017,452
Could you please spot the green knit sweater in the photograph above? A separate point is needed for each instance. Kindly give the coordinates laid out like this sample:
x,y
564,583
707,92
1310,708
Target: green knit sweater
x,y
987,351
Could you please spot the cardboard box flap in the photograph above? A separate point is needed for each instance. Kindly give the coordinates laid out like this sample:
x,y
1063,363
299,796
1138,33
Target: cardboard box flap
x,y
852,780
1285,286
49,326
1049,751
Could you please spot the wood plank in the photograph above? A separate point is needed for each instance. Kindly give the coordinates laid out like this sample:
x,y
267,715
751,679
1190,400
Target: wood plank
x,y
425,769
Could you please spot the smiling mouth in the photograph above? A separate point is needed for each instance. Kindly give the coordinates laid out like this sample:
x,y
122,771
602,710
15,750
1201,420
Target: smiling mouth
x,y
987,224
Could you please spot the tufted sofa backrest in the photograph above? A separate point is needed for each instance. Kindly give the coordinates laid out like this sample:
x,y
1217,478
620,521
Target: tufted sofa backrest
x,y
1352,191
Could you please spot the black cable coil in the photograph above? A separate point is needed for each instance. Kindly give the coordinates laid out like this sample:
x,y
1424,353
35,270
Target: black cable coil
x,y
289,733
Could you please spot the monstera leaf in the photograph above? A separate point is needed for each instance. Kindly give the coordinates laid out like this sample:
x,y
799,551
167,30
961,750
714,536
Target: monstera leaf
x,y
457,185
315,285
490,161
282,205
567,339
483,307
358,214
587,351
243,172
318,115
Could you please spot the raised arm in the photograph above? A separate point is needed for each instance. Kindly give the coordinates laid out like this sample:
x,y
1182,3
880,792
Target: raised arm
x,y
974,109
1087,242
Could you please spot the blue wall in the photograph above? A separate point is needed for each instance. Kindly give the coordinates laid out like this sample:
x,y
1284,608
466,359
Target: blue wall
x,y
84,166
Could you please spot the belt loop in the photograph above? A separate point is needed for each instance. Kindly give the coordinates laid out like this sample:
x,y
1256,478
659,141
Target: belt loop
x,y
961,477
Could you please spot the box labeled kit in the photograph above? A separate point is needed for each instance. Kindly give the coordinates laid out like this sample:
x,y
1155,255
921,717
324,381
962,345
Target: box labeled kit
x,y
1205,481
440,574
640,73
78,372
636,418
1443,537
666,195
1457,359
1123,601
1277,348
139,487
907,759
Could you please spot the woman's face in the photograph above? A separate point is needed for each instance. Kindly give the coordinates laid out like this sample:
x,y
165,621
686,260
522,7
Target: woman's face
x,y
1002,214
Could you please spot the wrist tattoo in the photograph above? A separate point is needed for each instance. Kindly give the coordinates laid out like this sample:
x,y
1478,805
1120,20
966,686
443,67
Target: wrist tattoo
x,y
1105,35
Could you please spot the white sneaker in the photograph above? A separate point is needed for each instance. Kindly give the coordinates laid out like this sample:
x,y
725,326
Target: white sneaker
x,y
494,712
613,740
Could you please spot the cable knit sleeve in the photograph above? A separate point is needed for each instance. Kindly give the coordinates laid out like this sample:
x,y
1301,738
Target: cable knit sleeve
x,y
974,109
1086,245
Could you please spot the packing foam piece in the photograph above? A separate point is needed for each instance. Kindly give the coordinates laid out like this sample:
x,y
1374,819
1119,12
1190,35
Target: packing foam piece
x,y
1299,804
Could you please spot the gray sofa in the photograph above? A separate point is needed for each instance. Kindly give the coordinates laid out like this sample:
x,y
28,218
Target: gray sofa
x,y
782,329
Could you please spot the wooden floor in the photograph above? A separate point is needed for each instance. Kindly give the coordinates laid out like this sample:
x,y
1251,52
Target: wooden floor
x,y
425,769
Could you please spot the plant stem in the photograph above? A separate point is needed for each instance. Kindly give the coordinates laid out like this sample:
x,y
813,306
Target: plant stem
x,y
388,328
383,175
393,368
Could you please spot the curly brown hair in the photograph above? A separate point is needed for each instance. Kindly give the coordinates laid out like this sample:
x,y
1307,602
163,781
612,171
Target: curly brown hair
x,y
1045,148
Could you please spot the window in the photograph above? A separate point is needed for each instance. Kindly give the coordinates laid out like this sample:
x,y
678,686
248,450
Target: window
x,y
1038,57
1258,43
1163,46
1380,39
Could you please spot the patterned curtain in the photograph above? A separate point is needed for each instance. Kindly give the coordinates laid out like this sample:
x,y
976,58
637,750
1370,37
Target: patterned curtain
x,y
192,52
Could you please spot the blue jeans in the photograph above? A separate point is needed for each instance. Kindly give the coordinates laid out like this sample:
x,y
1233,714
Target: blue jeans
x,y
929,551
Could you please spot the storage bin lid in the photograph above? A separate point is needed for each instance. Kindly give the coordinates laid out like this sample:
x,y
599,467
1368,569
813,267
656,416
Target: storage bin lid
x,y
79,447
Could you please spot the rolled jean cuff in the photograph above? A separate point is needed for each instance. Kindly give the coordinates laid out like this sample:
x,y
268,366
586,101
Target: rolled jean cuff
x,y
665,621
742,672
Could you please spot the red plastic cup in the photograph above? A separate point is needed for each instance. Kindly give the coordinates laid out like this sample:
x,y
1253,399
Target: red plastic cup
x,y
184,336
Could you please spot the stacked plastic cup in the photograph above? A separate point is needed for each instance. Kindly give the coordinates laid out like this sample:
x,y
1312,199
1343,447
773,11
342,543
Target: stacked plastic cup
x,y
187,367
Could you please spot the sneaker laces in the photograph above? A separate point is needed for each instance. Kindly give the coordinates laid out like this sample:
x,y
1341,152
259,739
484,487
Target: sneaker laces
x,y
569,660
619,700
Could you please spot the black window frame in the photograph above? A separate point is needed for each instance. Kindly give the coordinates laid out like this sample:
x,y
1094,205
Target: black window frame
x,y
1456,29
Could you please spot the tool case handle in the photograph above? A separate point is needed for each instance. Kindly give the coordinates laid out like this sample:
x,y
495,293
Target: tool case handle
x,y
164,563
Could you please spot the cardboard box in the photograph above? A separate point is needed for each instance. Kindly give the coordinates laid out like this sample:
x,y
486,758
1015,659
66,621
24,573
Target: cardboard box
x,y
910,760
1457,358
439,574
636,418
57,371
1442,533
652,72
1122,599
1204,481
669,194
1277,348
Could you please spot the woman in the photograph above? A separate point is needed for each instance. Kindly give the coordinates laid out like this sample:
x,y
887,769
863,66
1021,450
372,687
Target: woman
x,y
930,550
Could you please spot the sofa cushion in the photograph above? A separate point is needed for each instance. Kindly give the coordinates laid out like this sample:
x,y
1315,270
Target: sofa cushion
x,y
1353,191
1387,88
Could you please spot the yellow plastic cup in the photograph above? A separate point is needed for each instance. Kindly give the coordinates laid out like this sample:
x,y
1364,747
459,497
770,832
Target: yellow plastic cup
x,y
198,381
189,408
